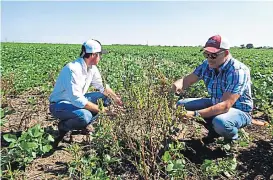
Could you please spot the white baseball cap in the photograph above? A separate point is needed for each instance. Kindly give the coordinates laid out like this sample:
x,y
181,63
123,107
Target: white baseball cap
x,y
216,43
93,46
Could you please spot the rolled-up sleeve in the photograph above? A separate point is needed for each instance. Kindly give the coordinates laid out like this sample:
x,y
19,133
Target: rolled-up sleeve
x,y
97,80
73,88
237,82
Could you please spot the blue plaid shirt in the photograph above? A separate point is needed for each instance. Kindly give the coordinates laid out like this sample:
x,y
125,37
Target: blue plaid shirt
x,y
233,77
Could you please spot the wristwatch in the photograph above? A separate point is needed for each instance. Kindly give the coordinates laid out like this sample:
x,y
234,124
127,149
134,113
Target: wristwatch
x,y
196,114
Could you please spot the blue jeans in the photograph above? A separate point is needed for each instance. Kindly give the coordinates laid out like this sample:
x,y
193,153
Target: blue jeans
x,y
74,118
226,124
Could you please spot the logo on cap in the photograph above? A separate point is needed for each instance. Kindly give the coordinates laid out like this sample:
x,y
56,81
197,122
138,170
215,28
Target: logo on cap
x,y
211,41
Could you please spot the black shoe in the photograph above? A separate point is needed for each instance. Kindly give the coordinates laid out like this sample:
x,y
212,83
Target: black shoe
x,y
60,137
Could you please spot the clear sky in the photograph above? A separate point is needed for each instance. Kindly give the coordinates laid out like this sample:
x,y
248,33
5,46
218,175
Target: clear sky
x,y
142,22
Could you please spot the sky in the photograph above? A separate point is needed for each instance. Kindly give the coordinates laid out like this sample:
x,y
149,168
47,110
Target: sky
x,y
180,23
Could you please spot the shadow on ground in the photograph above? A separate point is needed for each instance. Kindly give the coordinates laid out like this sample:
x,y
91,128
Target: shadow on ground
x,y
257,161
196,152
58,168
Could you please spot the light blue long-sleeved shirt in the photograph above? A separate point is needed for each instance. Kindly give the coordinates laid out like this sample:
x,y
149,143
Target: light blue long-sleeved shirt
x,y
74,81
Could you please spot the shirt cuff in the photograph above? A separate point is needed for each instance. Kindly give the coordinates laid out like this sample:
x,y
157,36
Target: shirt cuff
x,y
80,102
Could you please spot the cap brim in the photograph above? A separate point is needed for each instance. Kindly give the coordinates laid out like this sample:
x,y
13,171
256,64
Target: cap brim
x,y
104,52
212,49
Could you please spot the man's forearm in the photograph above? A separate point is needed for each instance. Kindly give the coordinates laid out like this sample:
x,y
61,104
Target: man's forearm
x,y
109,92
189,80
214,110
92,107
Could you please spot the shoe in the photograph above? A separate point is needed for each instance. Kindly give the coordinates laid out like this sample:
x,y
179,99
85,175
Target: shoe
x,y
60,137
68,138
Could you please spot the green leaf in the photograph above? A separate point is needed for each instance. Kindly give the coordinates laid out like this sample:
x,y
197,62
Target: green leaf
x,y
33,154
171,146
166,157
2,111
29,145
3,121
233,164
243,144
178,161
10,138
178,165
50,138
46,148
24,136
28,159
169,167
107,157
35,131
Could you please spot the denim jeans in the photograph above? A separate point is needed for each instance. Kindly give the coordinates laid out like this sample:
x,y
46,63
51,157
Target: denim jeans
x,y
74,118
226,124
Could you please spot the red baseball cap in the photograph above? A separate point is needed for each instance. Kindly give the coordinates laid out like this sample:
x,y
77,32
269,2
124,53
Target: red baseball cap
x,y
216,43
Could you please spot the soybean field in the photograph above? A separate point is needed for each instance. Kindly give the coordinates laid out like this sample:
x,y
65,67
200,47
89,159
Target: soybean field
x,y
149,140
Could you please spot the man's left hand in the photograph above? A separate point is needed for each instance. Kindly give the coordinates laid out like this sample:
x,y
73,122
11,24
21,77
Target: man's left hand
x,y
190,114
187,115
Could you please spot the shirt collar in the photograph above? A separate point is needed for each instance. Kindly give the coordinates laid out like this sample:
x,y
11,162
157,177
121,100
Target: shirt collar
x,y
225,65
84,65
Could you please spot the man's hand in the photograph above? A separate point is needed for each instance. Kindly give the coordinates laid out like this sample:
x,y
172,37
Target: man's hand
x,y
110,93
177,86
185,116
190,114
181,84
118,101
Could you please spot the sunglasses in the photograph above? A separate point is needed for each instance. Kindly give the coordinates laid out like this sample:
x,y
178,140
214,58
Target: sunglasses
x,y
212,55
99,53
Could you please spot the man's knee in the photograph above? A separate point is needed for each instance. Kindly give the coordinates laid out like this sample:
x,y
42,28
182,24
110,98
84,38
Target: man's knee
x,y
220,125
85,116
181,102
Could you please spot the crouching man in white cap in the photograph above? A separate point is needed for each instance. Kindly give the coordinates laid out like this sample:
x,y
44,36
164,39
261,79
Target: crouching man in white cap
x,y
70,102
229,87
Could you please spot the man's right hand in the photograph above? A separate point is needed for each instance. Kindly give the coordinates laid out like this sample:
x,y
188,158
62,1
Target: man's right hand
x,y
118,100
177,86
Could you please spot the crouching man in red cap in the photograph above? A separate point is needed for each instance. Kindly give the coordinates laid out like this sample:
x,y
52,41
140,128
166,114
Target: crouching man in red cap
x,y
229,87
70,102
